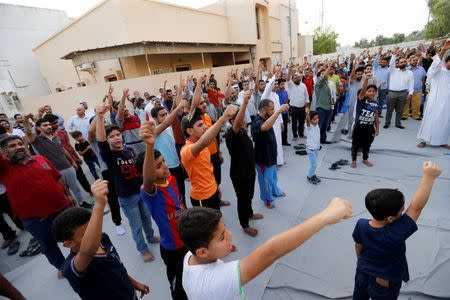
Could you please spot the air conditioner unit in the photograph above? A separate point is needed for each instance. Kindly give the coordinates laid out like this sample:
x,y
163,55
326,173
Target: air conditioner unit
x,y
87,67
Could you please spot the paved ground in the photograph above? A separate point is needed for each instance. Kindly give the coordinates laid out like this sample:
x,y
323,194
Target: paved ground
x,y
37,279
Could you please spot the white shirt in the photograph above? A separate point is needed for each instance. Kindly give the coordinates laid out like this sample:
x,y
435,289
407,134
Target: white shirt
x,y
80,124
239,101
216,280
18,132
298,94
400,80
312,133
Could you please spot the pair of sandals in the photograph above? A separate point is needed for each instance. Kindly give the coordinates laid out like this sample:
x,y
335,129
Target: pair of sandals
x,y
33,249
301,149
336,165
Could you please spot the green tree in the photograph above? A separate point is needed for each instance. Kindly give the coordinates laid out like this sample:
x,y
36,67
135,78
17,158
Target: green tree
x,y
364,43
325,40
440,23
398,38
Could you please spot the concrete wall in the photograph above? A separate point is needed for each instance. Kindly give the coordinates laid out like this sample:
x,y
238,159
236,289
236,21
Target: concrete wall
x,y
66,102
305,46
21,29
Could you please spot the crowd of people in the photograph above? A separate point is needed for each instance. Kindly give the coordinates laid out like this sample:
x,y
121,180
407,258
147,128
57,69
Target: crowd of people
x,y
147,148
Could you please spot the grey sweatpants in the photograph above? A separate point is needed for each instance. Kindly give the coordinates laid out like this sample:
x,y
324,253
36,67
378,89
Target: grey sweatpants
x,y
70,178
396,101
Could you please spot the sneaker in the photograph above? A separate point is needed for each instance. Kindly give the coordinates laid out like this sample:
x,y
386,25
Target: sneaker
x,y
386,126
13,248
120,230
311,180
84,204
316,178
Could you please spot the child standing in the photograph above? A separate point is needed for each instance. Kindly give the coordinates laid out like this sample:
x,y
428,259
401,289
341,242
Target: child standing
x,y
93,267
380,242
366,121
84,149
160,193
206,276
128,181
312,143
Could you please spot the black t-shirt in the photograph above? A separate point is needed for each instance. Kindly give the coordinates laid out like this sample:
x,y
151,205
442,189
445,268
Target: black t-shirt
x,y
365,112
89,155
104,278
127,179
265,143
240,146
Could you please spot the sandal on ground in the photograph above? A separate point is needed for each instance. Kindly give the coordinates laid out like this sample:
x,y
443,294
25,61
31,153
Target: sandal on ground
x,y
334,167
342,162
31,251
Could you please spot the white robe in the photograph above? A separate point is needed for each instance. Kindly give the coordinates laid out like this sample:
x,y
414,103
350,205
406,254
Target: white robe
x,y
269,94
435,126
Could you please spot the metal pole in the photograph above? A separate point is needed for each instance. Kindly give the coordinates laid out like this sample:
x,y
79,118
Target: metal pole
x,y
203,60
234,59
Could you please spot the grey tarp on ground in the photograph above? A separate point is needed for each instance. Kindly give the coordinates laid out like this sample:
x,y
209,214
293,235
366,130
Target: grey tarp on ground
x,y
325,265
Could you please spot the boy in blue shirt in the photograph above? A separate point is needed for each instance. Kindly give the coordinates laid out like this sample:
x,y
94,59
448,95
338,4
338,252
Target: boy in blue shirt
x,y
93,267
160,194
380,242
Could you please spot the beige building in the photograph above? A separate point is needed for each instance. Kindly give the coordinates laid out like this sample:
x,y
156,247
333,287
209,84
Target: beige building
x,y
140,43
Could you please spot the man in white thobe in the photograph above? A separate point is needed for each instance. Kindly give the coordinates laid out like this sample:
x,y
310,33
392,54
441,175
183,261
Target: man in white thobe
x,y
435,126
270,93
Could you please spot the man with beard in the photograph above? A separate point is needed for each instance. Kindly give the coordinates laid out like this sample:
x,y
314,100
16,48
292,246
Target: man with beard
x,y
419,75
50,146
299,100
45,194
401,89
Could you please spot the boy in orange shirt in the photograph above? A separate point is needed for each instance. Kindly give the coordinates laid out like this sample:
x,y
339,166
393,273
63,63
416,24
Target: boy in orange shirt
x,y
196,157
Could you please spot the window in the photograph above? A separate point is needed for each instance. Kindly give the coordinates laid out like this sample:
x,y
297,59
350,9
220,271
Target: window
x,y
181,68
110,78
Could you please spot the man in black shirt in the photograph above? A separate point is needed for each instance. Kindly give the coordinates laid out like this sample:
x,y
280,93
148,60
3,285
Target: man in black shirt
x,y
266,150
242,169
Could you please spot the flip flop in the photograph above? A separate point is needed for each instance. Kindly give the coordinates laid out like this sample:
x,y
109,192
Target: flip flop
x,y
334,167
31,251
342,162
301,152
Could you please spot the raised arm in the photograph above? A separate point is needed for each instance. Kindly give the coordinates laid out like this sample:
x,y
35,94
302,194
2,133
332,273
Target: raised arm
x,y
92,130
93,234
212,132
109,98
31,136
171,117
197,98
273,118
283,243
269,87
147,133
121,108
362,93
430,172
240,117
100,120
436,66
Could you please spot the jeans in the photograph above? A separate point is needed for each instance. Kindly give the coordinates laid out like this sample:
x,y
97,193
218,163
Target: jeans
x,y
41,230
91,164
366,287
139,218
268,183
244,190
173,259
324,121
298,121
312,154
382,94
396,101
70,179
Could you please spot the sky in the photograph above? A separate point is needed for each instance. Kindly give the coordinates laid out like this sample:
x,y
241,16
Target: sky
x,y
352,19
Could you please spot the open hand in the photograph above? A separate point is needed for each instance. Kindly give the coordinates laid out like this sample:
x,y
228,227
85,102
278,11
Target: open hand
x,y
147,132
